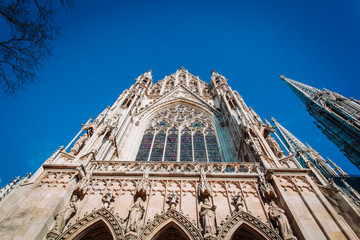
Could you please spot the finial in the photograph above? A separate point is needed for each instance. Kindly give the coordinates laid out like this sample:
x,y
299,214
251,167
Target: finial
x,y
282,77
182,68
273,119
213,71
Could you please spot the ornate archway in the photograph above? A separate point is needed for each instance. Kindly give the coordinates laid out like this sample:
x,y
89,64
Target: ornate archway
x,y
243,225
100,223
171,232
173,221
96,231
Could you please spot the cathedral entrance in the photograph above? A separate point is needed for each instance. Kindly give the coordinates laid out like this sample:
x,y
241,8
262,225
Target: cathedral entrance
x,y
171,232
97,231
245,232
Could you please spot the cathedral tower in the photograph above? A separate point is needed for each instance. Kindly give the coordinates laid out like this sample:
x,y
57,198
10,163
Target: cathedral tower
x,y
177,159
338,117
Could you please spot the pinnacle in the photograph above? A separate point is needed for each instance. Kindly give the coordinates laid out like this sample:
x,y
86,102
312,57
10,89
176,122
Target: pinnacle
x,y
305,92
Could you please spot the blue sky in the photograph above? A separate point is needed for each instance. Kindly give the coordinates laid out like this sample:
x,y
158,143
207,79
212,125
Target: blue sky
x,y
107,44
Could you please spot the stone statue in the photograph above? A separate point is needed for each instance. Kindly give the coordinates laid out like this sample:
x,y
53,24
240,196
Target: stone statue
x,y
207,214
278,216
64,216
78,144
135,215
107,199
238,201
173,199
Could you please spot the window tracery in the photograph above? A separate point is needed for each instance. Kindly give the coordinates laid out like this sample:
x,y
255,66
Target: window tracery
x,y
180,133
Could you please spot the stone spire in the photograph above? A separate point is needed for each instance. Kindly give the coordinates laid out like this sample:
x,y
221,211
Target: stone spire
x,y
337,116
304,154
289,139
303,91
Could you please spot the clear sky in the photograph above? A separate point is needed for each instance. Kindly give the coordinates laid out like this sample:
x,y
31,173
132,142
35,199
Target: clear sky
x,y
107,44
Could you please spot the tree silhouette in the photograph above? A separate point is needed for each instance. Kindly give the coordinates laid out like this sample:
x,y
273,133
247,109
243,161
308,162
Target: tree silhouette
x,y
31,30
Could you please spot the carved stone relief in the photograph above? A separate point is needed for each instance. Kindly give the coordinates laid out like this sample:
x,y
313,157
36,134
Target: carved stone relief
x,y
56,179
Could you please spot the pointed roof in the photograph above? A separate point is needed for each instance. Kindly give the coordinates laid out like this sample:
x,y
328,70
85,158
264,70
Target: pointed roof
x,y
182,70
305,92
289,139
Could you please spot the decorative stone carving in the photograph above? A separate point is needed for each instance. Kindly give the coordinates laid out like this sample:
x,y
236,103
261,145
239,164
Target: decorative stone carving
x,y
83,185
79,144
238,202
56,179
175,167
207,214
204,188
173,200
281,221
143,187
107,199
77,227
66,213
265,188
275,147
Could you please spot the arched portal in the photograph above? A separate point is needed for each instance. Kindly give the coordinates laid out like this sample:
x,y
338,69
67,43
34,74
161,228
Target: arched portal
x,y
245,232
171,232
98,225
97,231
244,226
170,225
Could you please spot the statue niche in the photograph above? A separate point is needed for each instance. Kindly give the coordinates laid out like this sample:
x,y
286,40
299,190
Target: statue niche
x,y
207,210
277,215
207,214
136,213
63,217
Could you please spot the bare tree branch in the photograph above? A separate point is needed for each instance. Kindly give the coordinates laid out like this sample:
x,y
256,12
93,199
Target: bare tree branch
x,y
32,31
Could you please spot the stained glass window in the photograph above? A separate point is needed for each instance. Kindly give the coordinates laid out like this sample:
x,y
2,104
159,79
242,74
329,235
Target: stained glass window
x,y
197,124
197,138
145,147
213,149
199,147
171,147
186,148
158,147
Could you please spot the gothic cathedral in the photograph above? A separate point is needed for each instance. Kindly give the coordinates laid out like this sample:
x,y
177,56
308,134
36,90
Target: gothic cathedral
x,y
181,159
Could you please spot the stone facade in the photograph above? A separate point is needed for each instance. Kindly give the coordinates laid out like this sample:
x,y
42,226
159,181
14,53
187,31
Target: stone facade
x,y
176,159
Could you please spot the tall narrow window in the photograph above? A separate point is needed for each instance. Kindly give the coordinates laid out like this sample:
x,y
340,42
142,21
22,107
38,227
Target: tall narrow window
x,y
158,147
213,148
145,147
199,147
186,146
171,147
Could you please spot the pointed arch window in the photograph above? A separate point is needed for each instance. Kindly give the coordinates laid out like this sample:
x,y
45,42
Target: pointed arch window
x,y
191,139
